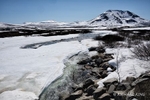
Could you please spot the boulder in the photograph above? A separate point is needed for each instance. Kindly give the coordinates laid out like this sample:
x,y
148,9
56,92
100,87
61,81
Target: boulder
x,y
98,92
104,74
146,75
138,81
100,50
111,89
98,61
90,90
85,61
104,96
87,83
104,65
78,87
75,95
120,87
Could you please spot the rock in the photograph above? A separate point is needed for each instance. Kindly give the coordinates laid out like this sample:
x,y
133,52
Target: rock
x,y
113,68
98,61
104,65
127,85
87,83
85,61
119,95
75,95
146,75
120,87
92,49
78,87
101,55
138,81
105,96
111,89
90,90
95,57
104,74
110,81
130,79
64,95
100,50
98,92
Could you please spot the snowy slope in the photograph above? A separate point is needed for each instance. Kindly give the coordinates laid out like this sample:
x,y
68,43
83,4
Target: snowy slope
x,y
118,18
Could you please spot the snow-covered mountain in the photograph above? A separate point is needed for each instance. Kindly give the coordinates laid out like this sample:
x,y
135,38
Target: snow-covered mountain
x,y
118,18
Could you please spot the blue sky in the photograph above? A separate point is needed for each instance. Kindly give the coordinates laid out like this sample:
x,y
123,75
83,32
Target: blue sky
x,y
19,11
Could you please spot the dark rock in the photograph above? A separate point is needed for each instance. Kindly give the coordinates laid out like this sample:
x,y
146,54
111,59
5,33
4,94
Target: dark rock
x,y
92,49
98,61
98,92
82,62
100,50
146,75
120,87
95,57
90,90
104,96
119,95
126,85
75,95
104,65
87,83
110,81
111,89
104,74
113,68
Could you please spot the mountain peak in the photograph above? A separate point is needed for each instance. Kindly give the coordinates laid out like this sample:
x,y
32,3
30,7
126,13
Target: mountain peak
x,y
118,18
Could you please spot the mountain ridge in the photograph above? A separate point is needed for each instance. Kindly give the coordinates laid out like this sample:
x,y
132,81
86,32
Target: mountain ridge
x,y
110,18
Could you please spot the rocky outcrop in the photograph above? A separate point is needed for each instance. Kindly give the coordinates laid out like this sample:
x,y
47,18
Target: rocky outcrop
x,y
96,67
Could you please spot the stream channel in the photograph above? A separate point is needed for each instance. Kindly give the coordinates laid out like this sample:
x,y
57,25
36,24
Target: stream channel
x,y
72,73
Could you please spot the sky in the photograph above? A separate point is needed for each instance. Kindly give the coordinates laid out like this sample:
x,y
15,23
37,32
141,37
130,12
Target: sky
x,y
20,11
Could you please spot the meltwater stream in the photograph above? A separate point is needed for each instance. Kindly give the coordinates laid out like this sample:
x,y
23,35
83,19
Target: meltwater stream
x,y
78,38
63,84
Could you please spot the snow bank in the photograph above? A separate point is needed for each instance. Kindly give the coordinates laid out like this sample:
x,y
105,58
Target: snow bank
x,y
128,65
24,73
